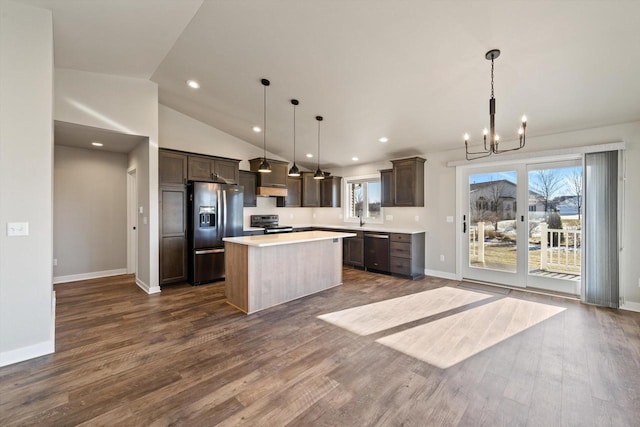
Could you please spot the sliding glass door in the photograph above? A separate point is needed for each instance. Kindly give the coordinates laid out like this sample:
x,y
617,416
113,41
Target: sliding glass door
x,y
522,225
493,249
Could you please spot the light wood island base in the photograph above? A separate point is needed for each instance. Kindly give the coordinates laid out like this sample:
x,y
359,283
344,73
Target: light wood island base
x,y
264,271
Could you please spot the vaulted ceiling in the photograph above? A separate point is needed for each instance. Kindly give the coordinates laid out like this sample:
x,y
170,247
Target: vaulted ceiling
x,y
413,71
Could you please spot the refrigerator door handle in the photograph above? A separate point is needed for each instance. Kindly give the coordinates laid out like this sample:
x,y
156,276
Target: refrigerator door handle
x,y
209,251
224,212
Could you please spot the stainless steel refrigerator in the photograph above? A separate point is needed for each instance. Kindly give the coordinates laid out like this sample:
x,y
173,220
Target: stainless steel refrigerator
x,y
215,212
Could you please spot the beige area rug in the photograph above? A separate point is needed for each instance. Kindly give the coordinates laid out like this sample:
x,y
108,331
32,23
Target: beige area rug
x,y
383,315
450,340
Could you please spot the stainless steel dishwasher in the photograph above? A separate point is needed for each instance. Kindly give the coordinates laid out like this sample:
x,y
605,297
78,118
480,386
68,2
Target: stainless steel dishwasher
x,y
376,252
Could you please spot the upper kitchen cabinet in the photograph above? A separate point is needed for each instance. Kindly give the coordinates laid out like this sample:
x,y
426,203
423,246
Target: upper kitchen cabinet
x,y
330,191
386,184
273,183
405,185
172,168
408,181
249,181
293,198
203,168
310,190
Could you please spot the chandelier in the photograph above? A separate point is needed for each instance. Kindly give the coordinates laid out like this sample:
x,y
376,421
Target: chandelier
x,y
492,147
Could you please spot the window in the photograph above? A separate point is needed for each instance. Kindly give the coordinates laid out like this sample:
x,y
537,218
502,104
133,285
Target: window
x,y
362,198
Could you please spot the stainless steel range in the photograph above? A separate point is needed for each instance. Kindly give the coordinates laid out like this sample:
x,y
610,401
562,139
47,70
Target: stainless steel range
x,y
270,223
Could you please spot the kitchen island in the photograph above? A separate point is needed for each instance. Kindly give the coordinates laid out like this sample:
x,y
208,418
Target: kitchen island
x,y
269,269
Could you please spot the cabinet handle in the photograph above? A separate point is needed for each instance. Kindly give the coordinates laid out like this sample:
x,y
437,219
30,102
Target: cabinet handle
x,y
377,236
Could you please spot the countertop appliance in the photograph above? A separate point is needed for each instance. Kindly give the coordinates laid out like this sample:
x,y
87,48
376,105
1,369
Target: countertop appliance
x,y
215,212
270,223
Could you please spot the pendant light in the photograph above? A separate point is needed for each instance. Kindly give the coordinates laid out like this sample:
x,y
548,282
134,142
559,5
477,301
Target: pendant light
x,y
264,167
318,174
494,138
294,171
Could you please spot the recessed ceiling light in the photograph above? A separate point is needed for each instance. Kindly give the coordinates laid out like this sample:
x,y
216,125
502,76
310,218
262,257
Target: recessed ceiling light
x,y
309,155
97,144
257,129
193,84
355,159
383,139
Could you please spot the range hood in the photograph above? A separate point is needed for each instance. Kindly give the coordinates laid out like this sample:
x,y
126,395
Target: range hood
x,y
274,183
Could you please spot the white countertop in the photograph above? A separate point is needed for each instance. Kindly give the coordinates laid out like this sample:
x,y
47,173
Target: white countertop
x,y
372,227
262,240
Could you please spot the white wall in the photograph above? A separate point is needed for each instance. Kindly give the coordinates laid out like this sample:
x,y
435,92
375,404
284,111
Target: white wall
x,y
27,304
90,213
128,106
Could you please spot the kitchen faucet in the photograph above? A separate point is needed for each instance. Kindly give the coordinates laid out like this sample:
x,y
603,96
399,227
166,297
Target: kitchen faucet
x,y
361,221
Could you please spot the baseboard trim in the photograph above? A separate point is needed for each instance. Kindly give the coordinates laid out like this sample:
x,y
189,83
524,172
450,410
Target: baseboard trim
x,y
25,353
86,276
631,306
148,289
442,274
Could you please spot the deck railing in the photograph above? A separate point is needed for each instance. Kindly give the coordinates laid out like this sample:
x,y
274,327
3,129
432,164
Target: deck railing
x,y
559,248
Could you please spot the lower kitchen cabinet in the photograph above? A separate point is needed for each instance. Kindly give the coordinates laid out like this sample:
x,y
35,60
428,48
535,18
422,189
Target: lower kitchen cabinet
x,y
407,254
353,249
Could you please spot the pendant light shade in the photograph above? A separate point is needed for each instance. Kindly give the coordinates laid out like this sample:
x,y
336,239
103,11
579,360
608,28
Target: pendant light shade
x,y
318,174
264,167
294,171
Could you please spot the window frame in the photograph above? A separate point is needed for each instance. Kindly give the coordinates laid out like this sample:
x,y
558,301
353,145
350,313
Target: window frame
x,y
346,183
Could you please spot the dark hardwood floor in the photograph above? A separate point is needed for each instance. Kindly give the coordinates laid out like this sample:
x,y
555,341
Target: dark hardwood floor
x,y
184,357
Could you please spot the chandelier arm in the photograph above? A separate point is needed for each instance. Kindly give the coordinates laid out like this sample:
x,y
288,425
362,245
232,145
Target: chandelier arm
x,y
478,152
477,157
506,151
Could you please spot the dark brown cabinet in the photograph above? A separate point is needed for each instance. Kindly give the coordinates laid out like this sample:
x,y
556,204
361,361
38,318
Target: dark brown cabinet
x,y
249,181
330,192
376,251
293,199
173,241
404,184
172,168
353,249
408,181
407,254
386,184
310,190
203,168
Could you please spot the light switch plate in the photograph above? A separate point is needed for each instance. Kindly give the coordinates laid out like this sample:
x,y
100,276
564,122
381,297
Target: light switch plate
x,y
389,218
449,219
17,229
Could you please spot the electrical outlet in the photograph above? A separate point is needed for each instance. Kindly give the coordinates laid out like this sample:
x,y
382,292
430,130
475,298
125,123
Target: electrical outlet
x,y
441,258
55,262
639,282
449,219
314,215
340,216
417,218
389,217
290,216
